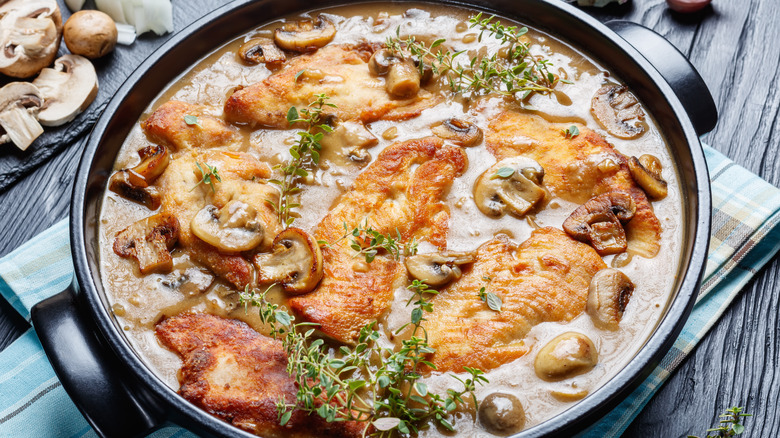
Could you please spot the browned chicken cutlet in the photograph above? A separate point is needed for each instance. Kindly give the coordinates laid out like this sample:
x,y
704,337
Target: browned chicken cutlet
x,y
167,127
338,71
545,279
239,375
243,179
576,169
393,196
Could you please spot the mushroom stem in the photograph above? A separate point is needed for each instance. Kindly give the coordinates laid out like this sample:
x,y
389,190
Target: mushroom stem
x,y
21,127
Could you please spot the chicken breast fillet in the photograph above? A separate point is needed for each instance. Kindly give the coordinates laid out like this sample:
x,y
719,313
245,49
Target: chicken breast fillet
x,y
239,375
545,278
401,192
243,179
338,71
576,169
167,127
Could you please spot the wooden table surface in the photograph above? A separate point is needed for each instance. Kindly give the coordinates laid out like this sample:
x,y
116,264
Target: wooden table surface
x,y
734,45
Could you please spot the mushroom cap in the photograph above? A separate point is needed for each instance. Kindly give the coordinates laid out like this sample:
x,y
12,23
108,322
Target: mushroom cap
x,y
646,171
69,88
437,269
608,296
380,62
618,111
501,414
305,35
461,132
149,242
261,50
566,356
19,105
90,33
233,228
513,185
134,184
295,263
30,33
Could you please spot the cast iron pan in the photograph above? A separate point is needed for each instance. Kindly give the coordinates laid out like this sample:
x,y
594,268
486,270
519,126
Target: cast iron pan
x,y
121,397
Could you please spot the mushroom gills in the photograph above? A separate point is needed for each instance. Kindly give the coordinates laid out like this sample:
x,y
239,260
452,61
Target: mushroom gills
x,y
261,50
68,89
600,220
566,356
149,241
513,185
30,36
458,131
618,111
295,262
609,292
233,228
437,269
305,35
646,171
352,139
19,105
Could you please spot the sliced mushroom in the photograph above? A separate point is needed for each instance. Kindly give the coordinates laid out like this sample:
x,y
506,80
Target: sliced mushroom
x,y
437,269
261,50
134,184
646,171
295,263
513,185
380,62
501,414
68,89
149,241
618,111
92,34
403,79
459,132
19,105
608,295
187,278
566,356
233,228
30,33
305,35
599,222
352,139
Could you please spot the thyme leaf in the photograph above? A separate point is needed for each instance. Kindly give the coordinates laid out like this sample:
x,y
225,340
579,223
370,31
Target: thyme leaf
x,y
208,176
368,242
571,132
730,424
493,301
504,172
191,120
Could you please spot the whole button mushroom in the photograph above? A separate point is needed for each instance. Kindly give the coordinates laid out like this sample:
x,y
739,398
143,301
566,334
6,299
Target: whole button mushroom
x,y
608,295
91,34
501,414
566,356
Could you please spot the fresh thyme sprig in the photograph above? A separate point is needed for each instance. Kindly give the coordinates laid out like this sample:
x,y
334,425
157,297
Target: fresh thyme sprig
x,y
730,425
367,242
519,75
207,175
365,383
492,300
306,151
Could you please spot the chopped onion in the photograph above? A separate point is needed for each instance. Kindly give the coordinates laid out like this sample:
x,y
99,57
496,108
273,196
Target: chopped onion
x,y
125,34
113,8
144,15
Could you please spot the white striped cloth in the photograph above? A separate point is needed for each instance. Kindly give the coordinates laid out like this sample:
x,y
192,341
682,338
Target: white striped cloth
x,y
745,236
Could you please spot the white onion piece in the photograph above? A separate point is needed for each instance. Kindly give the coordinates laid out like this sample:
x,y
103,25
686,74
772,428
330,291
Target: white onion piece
x,y
113,8
75,5
144,15
125,34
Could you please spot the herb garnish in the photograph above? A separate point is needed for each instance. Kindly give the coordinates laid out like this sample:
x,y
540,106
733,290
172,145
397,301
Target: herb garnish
x,y
306,151
191,120
519,75
367,242
493,301
570,132
207,175
368,382
504,172
731,424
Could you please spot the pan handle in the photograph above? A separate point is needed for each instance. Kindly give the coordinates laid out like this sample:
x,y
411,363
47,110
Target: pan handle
x,y
91,374
676,69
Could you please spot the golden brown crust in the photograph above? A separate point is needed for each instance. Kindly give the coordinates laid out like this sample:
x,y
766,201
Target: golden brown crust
x,y
238,375
544,279
571,168
166,126
393,197
340,72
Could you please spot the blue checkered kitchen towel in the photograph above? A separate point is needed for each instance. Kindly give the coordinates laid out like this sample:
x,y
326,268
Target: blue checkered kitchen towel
x,y
745,236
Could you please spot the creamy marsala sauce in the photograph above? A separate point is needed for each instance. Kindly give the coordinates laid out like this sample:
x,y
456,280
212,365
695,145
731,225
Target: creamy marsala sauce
x,y
141,301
